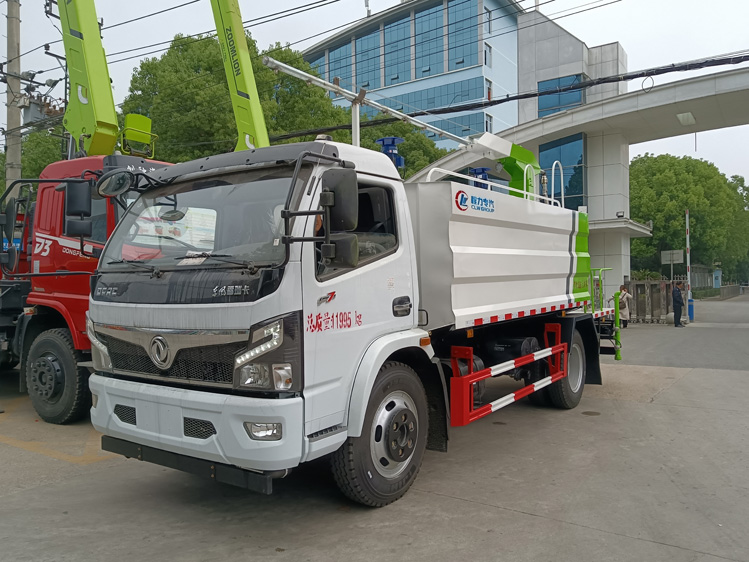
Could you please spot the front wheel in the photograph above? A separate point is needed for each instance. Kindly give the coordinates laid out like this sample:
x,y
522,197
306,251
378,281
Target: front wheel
x,y
57,386
379,467
567,392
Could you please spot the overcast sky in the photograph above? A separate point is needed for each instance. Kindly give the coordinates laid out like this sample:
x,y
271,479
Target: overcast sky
x,y
652,32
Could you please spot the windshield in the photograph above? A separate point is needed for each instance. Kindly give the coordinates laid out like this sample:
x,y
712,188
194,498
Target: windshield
x,y
226,220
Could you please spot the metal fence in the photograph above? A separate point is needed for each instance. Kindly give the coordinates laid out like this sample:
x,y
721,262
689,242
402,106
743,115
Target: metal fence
x,y
729,291
651,301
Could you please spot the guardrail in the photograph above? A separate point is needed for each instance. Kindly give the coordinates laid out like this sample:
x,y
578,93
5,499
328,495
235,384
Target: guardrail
x,y
729,291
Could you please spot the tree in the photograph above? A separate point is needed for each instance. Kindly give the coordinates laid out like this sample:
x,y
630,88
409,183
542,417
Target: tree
x,y
39,149
185,93
663,187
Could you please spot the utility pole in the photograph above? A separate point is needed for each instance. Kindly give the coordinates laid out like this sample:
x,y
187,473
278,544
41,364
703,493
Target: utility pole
x,y
13,113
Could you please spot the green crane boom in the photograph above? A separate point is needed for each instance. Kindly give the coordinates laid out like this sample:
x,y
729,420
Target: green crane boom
x,y
248,113
90,116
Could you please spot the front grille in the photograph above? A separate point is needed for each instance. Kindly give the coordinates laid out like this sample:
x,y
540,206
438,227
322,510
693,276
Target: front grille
x,y
200,429
208,364
125,413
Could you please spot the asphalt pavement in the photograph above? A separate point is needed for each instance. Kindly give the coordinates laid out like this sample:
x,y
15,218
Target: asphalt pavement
x,y
653,465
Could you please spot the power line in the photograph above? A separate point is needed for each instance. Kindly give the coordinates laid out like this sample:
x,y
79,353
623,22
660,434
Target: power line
x,y
731,58
425,112
139,18
211,33
348,24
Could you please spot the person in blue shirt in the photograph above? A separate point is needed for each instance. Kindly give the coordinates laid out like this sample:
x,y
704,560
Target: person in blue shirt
x,y
678,304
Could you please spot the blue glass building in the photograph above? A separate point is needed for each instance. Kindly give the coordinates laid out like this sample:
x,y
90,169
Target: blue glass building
x,y
429,54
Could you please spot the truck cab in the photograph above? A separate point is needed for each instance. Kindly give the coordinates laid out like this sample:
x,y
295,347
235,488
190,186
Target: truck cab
x,y
43,311
230,289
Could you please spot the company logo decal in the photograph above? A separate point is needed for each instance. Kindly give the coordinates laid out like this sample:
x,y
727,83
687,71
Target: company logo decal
x,y
483,204
106,291
231,290
326,298
159,352
461,200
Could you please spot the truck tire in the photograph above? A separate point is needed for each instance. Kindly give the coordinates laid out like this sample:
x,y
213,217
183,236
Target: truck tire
x,y
379,467
57,386
567,392
540,397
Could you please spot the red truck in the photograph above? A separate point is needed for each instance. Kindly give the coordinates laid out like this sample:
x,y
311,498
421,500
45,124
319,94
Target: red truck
x,y
44,288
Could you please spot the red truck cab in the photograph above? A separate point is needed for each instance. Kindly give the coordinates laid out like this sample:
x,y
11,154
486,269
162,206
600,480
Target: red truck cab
x,y
43,315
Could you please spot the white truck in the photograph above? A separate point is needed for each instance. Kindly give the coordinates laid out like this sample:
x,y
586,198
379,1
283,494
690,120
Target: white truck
x,y
257,310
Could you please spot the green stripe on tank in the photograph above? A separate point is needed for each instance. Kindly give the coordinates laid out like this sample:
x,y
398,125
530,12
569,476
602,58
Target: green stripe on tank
x,y
581,280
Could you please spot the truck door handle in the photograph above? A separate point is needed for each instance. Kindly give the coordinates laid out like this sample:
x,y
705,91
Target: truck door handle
x,y
402,306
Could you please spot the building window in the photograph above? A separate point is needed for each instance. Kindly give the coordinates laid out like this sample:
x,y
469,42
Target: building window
x,y
318,65
488,123
462,33
487,21
488,89
453,93
487,55
368,61
463,126
398,52
552,103
339,66
428,25
570,152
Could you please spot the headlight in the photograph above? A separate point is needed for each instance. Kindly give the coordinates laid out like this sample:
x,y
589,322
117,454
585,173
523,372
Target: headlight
x,y
99,351
273,360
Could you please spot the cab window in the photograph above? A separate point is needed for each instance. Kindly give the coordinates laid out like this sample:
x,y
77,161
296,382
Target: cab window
x,y
376,229
99,220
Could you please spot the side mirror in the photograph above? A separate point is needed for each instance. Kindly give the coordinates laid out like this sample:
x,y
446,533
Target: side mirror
x,y
345,250
78,199
78,210
9,258
340,194
115,182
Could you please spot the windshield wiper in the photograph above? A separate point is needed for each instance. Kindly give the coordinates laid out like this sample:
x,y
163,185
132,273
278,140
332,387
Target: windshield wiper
x,y
165,237
155,271
222,258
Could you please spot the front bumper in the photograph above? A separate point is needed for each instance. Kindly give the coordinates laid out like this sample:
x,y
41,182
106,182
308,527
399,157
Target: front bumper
x,y
159,417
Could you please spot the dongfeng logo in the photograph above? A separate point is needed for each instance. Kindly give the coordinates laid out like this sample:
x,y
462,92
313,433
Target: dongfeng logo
x,y
159,352
461,200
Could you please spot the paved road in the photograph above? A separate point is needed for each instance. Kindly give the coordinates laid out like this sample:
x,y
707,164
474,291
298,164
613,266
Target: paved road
x,y
651,466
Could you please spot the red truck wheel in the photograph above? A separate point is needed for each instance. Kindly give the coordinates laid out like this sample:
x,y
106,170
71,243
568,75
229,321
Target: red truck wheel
x,y
57,386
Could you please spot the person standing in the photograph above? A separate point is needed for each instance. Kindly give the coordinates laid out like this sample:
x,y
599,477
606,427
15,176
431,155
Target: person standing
x,y
678,304
625,299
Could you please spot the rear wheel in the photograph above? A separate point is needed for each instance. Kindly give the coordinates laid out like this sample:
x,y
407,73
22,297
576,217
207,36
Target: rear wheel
x,y
379,467
57,386
567,392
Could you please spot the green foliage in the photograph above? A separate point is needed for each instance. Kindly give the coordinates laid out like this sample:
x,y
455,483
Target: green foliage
x,y
39,149
417,150
663,187
705,293
645,275
185,93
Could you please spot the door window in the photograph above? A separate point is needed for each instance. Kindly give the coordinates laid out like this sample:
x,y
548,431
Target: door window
x,y
99,220
376,229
